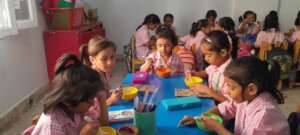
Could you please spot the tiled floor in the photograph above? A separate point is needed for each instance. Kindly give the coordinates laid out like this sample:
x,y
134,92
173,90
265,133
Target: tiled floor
x,y
292,101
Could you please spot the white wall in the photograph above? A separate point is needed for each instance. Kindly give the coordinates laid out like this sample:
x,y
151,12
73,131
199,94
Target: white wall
x,y
121,17
288,13
22,66
260,7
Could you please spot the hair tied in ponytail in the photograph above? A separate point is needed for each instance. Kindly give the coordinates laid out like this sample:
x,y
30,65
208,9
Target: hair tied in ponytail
x,y
66,61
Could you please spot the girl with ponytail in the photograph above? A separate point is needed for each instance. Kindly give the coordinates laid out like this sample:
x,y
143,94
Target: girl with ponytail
x,y
251,83
71,96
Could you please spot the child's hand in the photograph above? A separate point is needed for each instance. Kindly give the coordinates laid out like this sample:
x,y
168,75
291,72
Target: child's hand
x,y
94,111
210,124
147,66
186,120
201,88
115,96
90,128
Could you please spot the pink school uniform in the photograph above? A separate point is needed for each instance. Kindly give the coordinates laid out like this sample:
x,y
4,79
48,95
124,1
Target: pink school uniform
x,y
295,36
190,41
270,37
216,78
56,122
259,117
193,44
142,36
173,62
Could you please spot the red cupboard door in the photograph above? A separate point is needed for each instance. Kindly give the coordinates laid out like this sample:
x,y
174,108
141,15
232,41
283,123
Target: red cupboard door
x,y
58,43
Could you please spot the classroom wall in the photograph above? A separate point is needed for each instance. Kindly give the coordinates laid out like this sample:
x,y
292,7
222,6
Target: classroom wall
x,y
288,13
260,7
121,17
22,66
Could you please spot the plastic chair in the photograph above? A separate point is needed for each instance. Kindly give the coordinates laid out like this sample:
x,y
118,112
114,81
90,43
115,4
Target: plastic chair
x,y
296,52
132,62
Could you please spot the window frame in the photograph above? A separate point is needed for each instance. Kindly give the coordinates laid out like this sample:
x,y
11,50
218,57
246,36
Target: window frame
x,y
12,26
32,21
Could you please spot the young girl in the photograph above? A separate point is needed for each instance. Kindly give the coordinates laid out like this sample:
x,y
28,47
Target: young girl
x,y
100,54
142,35
226,24
296,37
72,92
168,21
216,50
269,35
296,34
163,57
194,39
211,16
248,24
251,83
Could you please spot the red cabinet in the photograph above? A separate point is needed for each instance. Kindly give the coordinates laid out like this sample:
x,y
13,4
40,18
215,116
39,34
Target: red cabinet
x,y
59,42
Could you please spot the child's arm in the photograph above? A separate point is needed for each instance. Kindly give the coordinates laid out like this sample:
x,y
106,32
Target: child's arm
x,y
214,110
206,90
103,109
213,125
147,65
90,128
202,74
115,96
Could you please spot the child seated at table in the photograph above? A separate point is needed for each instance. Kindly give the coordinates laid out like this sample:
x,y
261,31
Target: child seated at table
x,y
216,49
71,95
163,57
194,39
100,54
168,21
142,35
251,83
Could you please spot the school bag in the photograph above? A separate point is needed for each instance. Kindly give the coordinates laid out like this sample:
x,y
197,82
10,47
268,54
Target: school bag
x,y
283,58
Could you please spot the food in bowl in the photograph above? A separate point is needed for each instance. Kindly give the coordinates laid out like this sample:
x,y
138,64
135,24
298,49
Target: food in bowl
x,y
163,72
128,130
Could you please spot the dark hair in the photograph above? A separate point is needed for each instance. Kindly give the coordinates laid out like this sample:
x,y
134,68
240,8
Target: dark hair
x,y
211,13
297,20
168,15
94,46
218,41
167,33
271,21
73,83
245,15
151,18
227,23
264,75
196,26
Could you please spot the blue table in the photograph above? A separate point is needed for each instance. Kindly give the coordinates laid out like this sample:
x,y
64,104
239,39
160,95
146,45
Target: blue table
x,y
167,120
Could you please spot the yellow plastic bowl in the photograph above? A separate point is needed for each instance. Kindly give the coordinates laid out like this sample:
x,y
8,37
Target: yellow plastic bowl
x,y
192,81
106,131
129,93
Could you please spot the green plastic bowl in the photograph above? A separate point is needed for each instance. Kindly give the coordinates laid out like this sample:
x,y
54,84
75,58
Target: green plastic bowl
x,y
200,123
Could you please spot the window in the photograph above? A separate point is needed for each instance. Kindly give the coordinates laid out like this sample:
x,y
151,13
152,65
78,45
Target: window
x,y
17,14
25,11
7,19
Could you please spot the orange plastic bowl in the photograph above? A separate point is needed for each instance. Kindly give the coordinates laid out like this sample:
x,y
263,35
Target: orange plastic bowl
x,y
163,72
